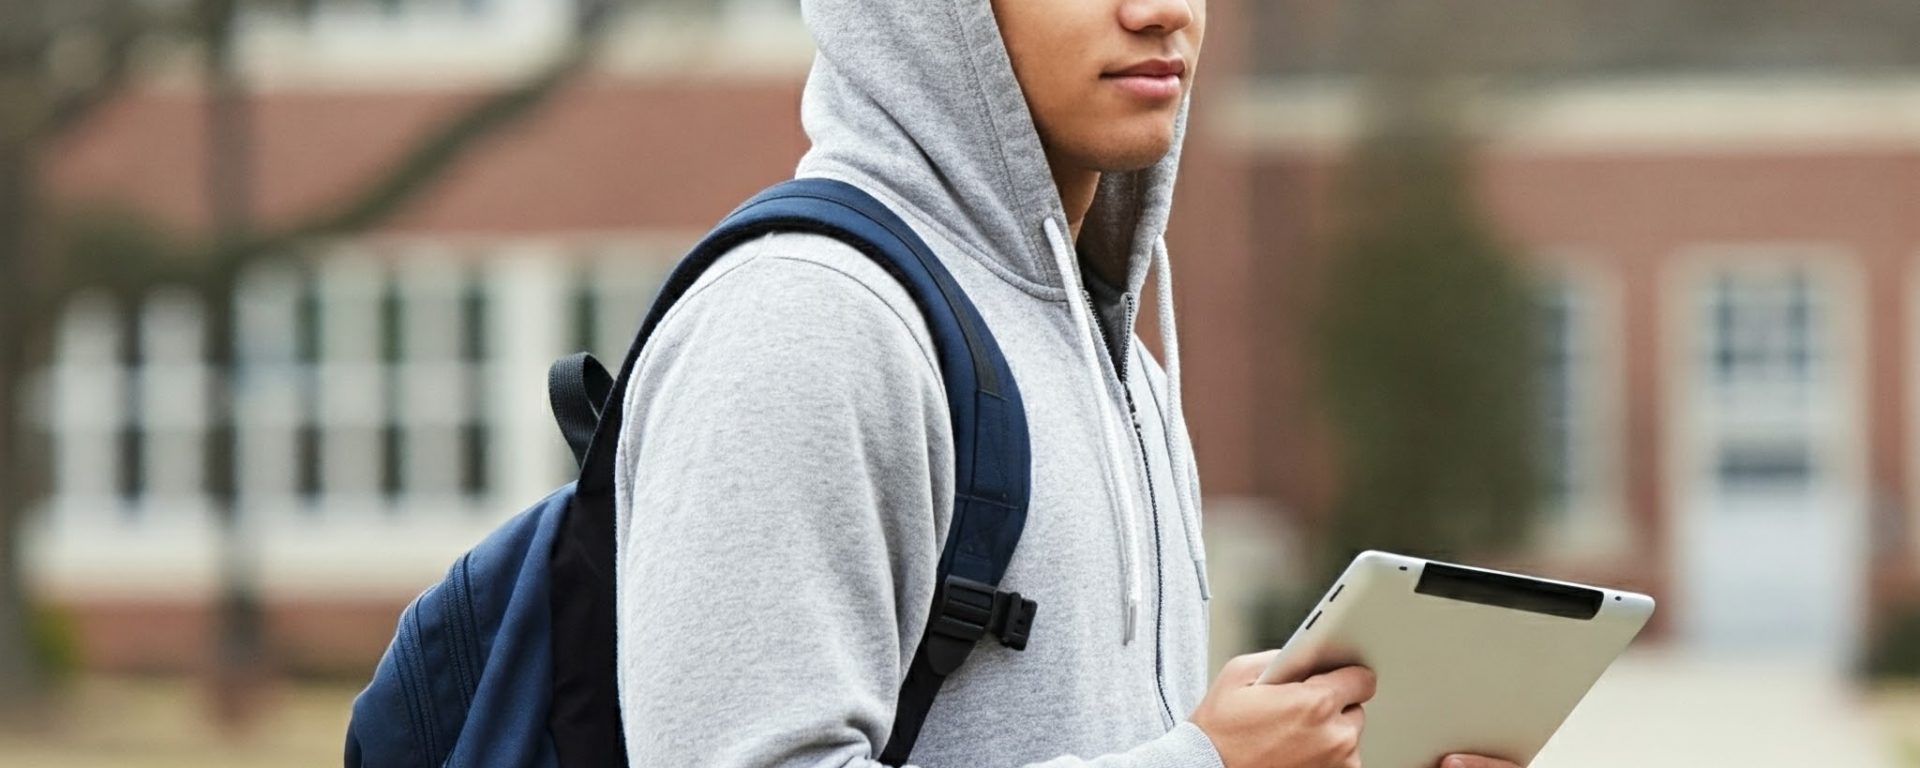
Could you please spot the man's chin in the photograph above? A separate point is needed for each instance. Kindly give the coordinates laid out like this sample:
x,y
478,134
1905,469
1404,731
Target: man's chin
x,y
1137,152
1139,159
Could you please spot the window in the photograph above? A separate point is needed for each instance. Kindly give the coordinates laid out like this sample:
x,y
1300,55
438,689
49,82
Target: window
x,y
1766,354
397,350
1567,383
166,457
1754,464
1762,332
1557,377
378,381
1578,367
277,341
349,378
436,438
128,405
610,296
88,394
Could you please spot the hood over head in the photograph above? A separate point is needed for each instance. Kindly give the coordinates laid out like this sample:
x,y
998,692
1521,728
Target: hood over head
x,y
919,98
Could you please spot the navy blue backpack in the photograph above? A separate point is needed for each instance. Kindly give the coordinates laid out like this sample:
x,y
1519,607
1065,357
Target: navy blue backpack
x,y
509,661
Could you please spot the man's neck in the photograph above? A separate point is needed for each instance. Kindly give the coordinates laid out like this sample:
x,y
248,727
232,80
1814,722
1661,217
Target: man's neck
x,y
1077,189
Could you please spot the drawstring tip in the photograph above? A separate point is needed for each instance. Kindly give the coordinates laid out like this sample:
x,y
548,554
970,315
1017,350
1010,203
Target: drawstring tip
x,y
1133,615
1200,572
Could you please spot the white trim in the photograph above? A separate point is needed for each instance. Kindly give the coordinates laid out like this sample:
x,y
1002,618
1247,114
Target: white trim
x,y
529,329
1698,115
363,43
294,555
738,39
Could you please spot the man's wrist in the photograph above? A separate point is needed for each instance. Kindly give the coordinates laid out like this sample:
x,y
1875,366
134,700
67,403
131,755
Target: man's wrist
x,y
1188,746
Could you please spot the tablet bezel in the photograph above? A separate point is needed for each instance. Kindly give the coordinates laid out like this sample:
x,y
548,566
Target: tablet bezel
x,y
1603,620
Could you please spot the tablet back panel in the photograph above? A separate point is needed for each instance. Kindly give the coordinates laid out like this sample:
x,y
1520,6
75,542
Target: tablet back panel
x,y
1468,660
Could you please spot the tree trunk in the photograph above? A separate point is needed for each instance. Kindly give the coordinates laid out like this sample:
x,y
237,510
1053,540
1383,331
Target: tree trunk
x,y
22,682
239,666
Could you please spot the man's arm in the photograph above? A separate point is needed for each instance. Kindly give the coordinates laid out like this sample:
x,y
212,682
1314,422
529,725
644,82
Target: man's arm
x,y
788,462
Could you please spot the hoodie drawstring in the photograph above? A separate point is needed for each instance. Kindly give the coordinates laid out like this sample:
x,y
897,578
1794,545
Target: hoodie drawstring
x,y
1129,533
1186,479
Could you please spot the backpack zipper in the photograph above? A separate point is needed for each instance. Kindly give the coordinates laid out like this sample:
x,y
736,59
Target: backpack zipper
x,y
411,664
463,641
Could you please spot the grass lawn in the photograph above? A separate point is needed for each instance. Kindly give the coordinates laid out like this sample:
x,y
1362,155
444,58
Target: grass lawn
x,y
166,723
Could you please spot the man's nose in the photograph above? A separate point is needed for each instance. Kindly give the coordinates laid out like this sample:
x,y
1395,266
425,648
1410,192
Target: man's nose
x,y
1156,16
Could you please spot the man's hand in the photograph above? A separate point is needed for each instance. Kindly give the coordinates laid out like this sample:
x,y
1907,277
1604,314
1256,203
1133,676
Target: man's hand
x,y
1312,723
1474,761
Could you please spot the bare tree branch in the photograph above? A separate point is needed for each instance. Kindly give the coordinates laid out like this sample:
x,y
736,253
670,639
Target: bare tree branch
x,y
434,153
46,89
119,29
384,196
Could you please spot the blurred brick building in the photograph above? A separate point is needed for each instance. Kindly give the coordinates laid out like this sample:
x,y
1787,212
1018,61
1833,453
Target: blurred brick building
x,y
1724,247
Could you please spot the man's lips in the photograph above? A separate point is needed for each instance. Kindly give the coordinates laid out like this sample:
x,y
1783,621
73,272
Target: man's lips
x,y
1152,80
1174,67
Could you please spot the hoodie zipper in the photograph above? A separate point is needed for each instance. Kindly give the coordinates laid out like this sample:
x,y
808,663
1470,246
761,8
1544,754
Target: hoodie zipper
x,y
1153,503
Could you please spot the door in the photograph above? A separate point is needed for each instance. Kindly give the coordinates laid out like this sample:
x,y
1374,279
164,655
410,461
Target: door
x,y
1769,540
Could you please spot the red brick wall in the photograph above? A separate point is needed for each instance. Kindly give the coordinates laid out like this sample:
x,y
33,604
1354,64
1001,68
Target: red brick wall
x,y
336,637
1628,214
603,155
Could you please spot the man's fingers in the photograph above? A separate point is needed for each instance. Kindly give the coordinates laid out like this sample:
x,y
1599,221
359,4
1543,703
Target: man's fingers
x,y
1355,717
1475,761
1349,686
1294,670
1244,670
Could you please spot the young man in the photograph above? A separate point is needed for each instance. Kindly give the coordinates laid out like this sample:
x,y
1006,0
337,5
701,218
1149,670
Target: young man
x,y
788,436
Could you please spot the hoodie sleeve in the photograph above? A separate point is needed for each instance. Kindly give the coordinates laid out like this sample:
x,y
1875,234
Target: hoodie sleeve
x,y
786,475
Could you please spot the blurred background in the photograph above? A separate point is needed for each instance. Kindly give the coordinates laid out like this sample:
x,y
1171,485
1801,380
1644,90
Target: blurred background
x,y
1615,290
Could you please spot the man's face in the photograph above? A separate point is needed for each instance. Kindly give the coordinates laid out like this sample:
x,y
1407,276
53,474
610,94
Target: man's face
x,y
1104,78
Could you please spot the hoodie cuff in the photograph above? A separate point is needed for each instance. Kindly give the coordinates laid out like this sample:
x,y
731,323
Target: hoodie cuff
x,y
1186,746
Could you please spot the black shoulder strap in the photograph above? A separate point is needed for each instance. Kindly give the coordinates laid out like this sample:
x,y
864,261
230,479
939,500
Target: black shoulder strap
x,y
578,387
992,483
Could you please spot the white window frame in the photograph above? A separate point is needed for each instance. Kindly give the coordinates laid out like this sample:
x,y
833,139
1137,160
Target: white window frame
x,y
435,41
444,45
1590,523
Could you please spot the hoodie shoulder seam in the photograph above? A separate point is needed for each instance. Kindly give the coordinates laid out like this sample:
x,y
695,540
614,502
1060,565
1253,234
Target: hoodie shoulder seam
x,y
748,254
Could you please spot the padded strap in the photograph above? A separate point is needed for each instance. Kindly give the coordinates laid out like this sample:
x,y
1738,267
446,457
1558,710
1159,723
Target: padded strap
x,y
578,387
992,476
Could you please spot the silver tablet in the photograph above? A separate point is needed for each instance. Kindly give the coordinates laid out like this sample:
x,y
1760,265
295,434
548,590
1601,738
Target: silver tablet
x,y
1469,660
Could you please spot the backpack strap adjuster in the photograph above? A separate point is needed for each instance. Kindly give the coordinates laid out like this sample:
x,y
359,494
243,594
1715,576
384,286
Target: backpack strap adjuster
x,y
968,610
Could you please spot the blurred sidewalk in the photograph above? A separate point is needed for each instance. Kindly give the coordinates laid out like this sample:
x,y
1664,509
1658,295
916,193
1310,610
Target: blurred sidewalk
x,y
1661,710
1650,711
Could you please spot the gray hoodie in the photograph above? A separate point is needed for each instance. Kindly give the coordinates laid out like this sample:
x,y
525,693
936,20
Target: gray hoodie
x,y
785,473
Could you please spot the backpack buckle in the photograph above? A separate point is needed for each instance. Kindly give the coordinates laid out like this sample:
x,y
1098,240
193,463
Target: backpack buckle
x,y
968,610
